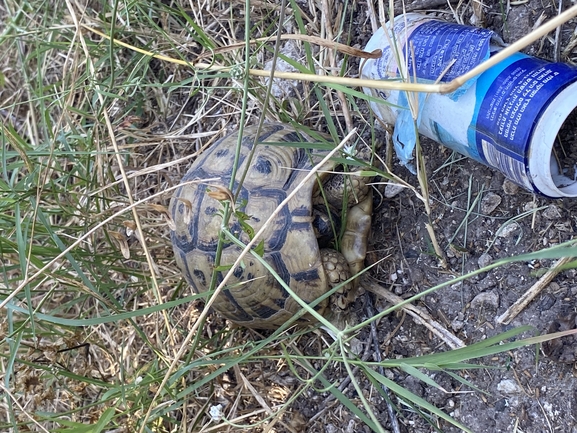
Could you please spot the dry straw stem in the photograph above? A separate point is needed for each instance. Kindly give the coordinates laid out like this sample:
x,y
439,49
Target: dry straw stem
x,y
530,294
298,37
14,400
127,186
378,84
418,315
245,251
83,238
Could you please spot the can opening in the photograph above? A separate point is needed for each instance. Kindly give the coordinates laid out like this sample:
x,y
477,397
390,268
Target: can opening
x,y
564,154
554,139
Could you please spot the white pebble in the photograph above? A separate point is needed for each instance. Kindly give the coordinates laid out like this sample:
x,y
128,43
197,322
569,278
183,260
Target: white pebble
x,y
508,230
484,260
509,386
393,189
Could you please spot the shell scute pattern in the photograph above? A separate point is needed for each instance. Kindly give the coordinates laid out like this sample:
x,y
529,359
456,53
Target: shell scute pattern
x,y
253,296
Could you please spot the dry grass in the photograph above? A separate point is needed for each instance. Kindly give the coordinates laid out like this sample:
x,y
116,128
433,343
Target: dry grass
x,y
94,128
94,137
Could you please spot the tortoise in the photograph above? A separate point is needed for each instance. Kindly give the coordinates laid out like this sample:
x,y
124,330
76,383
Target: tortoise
x,y
253,297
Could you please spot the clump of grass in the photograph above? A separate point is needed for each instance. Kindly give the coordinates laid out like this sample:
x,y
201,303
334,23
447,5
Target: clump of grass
x,y
95,324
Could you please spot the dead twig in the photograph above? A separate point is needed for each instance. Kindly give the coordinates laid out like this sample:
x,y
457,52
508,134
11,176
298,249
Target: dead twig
x,y
420,316
375,84
322,42
530,294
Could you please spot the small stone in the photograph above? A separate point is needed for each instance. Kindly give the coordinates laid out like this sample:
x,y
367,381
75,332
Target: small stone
x,y
487,282
547,301
484,260
514,280
508,230
508,386
417,275
283,89
529,206
356,346
411,254
510,188
456,413
331,428
216,412
490,298
393,189
490,202
458,322
501,405
552,212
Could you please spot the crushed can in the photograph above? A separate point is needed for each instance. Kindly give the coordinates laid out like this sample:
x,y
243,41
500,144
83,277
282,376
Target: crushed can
x,y
509,117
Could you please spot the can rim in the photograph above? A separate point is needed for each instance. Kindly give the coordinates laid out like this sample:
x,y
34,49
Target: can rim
x,y
547,178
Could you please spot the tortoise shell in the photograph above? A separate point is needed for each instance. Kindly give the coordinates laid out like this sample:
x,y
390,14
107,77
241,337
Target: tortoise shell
x,y
253,297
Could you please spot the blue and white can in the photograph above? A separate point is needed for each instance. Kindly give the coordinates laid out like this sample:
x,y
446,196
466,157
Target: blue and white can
x,y
507,118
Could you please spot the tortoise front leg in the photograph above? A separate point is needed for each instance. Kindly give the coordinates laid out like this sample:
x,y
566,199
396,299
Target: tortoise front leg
x,y
355,238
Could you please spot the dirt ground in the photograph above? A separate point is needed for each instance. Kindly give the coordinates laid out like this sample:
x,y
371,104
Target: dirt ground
x,y
529,392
